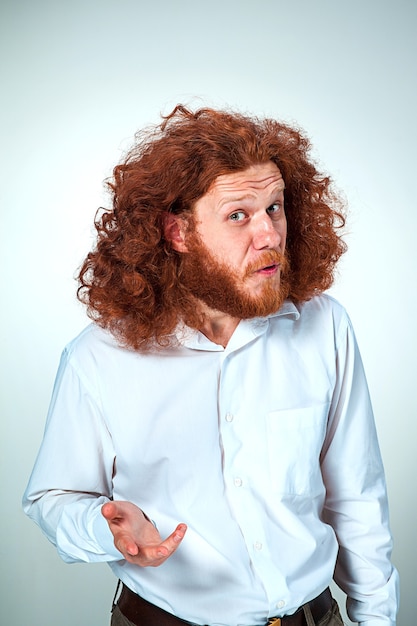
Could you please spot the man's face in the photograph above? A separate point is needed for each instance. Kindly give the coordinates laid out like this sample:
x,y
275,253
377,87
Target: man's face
x,y
234,260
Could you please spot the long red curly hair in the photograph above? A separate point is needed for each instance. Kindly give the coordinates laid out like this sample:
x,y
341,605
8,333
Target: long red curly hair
x,y
131,280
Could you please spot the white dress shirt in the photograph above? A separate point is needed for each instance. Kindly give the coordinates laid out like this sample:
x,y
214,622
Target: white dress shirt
x,y
266,449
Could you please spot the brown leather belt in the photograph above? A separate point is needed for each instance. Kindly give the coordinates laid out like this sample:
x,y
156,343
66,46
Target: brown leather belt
x,y
143,613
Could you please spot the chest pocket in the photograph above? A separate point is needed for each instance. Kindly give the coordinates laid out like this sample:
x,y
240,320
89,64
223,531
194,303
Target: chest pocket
x,y
295,439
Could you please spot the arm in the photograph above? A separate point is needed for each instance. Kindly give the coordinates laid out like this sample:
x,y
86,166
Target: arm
x,y
356,503
70,492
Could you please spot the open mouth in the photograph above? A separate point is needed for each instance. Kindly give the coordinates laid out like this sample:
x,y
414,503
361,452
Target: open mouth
x,y
268,269
269,263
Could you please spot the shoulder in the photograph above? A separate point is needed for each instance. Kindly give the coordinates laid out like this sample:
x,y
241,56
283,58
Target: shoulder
x,y
93,345
91,336
320,307
321,316
325,312
323,305
95,360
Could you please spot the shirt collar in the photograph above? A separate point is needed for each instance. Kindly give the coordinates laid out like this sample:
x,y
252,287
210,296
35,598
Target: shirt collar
x,y
288,308
245,331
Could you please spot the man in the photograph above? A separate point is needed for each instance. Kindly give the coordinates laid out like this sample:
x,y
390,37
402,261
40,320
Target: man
x,y
210,435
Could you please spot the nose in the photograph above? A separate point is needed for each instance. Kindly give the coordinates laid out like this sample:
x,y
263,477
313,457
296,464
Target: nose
x,y
266,233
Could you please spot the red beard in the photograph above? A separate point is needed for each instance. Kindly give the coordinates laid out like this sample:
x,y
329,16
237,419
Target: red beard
x,y
216,285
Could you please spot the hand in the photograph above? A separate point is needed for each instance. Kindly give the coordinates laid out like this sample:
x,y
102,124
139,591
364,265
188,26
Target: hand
x,y
136,537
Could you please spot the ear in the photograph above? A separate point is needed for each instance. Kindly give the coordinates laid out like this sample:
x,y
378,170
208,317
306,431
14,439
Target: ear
x,y
175,227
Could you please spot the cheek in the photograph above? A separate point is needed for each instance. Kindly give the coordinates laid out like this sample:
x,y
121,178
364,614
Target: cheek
x,y
230,245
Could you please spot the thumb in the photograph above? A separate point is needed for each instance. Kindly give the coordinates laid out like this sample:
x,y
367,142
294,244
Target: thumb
x,y
110,511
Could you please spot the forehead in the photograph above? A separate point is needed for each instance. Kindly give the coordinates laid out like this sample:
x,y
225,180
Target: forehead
x,y
257,179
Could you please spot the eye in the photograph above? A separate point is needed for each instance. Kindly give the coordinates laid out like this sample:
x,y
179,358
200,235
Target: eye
x,y
274,209
237,216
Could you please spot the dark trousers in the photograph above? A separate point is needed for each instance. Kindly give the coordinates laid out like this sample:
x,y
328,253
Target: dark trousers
x,y
331,618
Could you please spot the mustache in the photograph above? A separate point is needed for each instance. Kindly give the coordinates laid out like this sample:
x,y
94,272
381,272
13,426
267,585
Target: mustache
x,y
266,259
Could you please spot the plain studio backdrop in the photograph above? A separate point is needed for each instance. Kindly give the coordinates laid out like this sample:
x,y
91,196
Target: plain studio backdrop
x,y
78,79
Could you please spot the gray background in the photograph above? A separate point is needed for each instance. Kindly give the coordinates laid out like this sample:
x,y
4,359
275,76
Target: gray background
x,y
78,79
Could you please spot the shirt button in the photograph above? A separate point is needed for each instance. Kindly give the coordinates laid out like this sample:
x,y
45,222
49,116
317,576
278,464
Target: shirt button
x,y
229,417
257,545
281,604
238,482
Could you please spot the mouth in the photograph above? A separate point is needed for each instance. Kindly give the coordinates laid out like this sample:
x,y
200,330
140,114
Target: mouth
x,y
268,265
268,270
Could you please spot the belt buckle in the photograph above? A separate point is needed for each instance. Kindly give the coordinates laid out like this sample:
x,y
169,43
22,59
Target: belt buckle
x,y
274,621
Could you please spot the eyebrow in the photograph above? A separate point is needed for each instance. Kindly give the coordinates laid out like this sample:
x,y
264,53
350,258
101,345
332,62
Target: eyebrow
x,y
248,196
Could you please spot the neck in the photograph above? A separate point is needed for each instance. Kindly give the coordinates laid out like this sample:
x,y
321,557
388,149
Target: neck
x,y
217,326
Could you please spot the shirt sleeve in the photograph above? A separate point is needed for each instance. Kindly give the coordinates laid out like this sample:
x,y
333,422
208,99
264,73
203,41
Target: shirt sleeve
x,y
72,476
356,502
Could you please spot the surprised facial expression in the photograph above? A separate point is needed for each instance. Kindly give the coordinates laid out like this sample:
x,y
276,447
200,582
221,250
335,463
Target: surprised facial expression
x,y
234,259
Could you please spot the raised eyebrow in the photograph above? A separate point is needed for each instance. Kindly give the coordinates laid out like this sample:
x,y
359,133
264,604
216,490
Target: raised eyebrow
x,y
278,196
280,189
236,199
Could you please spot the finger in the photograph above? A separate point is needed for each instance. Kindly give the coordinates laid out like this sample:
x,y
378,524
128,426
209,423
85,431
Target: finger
x,y
155,555
126,545
109,511
172,542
